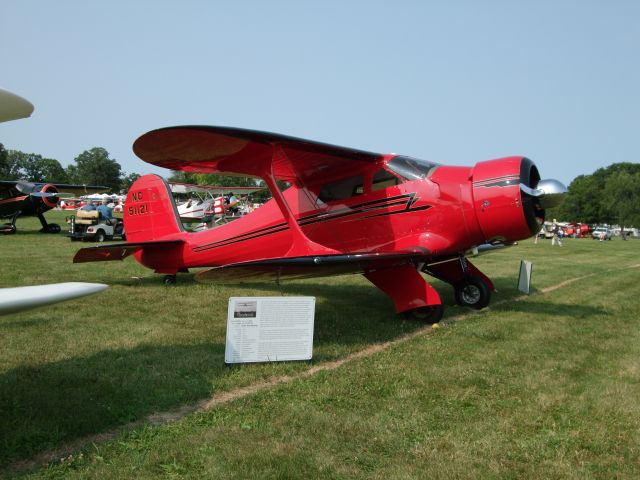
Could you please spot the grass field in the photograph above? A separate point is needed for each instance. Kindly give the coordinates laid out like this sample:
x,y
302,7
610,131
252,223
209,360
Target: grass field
x,y
539,386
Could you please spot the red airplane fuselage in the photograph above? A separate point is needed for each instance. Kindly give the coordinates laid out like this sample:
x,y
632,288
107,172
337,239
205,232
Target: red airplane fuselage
x,y
444,214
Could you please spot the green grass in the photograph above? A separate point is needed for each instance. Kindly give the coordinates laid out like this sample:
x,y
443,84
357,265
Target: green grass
x,y
546,386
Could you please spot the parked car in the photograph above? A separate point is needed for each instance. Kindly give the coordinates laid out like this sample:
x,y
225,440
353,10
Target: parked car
x,y
602,233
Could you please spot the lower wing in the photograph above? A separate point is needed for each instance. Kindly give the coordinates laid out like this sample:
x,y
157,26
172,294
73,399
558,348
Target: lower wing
x,y
306,267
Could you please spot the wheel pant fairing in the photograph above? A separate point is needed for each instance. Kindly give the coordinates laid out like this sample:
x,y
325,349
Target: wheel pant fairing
x,y
405,286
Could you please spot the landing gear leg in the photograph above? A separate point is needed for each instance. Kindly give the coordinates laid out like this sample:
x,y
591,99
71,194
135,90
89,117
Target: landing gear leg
x,y
48,227
169,279
472,288
412,296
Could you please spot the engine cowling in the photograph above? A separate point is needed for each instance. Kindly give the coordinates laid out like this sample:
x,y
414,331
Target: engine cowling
x,y
510,198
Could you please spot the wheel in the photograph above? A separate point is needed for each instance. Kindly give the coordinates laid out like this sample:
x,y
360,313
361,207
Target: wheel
x,y
99,236
473,293
51,228
169,279
430,314
7,229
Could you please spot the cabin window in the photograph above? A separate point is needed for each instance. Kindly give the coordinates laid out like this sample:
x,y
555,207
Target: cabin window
x,y
411,168
346,188
9,193
383,179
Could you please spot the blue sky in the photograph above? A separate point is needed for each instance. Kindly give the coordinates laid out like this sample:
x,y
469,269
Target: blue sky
x,y
454,82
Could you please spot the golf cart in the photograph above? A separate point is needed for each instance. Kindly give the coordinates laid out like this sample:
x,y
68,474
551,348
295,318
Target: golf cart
x,y
88,225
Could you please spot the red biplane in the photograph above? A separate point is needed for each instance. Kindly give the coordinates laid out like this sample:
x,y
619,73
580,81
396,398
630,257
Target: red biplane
x,y
388,217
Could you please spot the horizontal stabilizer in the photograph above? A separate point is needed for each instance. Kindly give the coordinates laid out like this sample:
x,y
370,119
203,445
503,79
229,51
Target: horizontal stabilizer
x,y
119,251
276,269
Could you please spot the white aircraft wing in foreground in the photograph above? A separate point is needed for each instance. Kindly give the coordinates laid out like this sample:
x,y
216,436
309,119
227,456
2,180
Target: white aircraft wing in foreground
x,y
13,107
23,298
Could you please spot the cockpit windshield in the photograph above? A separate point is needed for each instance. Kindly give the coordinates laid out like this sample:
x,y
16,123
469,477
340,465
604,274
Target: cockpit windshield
x,y
411,168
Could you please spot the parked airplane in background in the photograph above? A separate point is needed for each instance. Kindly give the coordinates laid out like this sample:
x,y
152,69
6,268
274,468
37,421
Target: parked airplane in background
x,y
388,217
26,198
200,198
20,198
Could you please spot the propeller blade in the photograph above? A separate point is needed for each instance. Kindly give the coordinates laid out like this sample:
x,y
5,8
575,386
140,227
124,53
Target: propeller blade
x,y
44,194
549,192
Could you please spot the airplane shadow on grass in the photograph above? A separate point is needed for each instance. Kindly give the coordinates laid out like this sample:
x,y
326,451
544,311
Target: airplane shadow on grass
x,y
45,405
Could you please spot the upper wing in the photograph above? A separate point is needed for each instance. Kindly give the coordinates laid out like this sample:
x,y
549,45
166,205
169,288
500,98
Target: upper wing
x,y
81,189
27,187
246,152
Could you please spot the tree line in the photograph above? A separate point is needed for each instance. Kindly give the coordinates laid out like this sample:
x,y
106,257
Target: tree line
x,y
611,195
91,167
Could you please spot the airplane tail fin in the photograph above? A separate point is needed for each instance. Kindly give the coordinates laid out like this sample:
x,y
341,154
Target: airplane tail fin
x,y
150,212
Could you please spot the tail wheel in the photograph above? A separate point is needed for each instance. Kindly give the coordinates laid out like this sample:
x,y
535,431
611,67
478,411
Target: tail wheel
x,y
430,314
169,279
473,293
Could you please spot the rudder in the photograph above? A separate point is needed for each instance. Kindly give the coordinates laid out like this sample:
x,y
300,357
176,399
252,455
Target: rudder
x,y
150,212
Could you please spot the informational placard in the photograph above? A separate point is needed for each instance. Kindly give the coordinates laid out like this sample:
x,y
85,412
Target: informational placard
x,y
269,329
524,279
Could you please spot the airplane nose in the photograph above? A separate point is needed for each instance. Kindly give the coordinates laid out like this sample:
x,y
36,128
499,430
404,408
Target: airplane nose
x,y
548,193
48,194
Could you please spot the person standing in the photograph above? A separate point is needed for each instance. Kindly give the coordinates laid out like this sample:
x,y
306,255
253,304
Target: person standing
x,y
232,204
555,240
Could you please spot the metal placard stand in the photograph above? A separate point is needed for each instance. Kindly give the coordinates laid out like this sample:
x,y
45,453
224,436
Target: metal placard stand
x,y
524,278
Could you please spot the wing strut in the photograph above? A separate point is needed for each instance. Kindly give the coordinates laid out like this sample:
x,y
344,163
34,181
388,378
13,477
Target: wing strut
x,y
302,245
